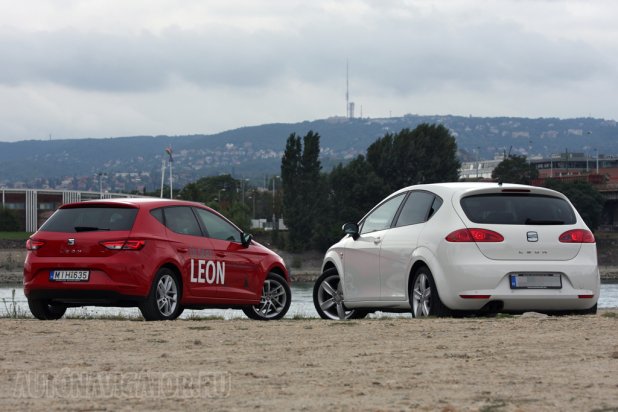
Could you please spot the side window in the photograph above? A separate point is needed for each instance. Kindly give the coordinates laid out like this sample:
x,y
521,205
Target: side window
x,y
158,214
417,208
437,202
382,217
217,228
181,220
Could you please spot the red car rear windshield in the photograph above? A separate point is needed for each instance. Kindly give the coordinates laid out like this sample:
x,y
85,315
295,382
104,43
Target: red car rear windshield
x,y
88,219
518,209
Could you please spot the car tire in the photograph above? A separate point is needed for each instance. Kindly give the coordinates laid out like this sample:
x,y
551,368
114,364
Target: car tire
x,y
43,310
163,301
424,298
328,298
591,311
274,302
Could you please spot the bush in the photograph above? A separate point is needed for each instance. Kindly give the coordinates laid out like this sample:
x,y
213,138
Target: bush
x,y
8,221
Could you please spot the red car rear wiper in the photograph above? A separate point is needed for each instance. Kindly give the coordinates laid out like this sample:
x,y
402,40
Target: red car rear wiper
x,y
88,228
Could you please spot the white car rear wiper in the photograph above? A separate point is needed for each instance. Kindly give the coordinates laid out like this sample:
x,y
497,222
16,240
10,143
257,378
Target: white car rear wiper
x,y
543,222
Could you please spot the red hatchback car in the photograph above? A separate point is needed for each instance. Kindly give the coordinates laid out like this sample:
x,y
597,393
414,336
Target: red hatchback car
x,y
160,255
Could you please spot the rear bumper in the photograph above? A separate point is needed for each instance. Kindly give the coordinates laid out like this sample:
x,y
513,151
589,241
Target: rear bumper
x,y
519,300
72,297
113,279
470,274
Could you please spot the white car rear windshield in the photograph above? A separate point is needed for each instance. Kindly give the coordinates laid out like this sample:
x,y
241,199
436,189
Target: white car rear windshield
x,y
88,219
518,209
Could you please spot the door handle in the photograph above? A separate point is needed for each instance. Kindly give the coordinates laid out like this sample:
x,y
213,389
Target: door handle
x,y
182,249
377,241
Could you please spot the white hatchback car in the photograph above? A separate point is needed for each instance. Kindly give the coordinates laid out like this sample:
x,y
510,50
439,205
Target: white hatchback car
x,y
455,248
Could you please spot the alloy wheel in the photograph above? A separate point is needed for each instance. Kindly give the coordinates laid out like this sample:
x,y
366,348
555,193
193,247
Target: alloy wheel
x,y
167,295
330,299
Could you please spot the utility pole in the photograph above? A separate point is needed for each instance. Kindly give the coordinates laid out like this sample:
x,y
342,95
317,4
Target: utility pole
x,y
101,174
168,150
478,160
162,176
275,225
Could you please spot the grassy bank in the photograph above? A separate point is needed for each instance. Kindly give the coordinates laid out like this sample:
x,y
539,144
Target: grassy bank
x,y
15,235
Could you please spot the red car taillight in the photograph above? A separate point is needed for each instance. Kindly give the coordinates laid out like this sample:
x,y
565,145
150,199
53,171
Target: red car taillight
x,y
577,236
474,235
32,244
124,244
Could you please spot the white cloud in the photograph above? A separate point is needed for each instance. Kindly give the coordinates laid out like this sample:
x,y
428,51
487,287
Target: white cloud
x,y
105,68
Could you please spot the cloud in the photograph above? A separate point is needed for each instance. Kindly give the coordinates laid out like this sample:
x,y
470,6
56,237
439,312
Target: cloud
x,y
256,60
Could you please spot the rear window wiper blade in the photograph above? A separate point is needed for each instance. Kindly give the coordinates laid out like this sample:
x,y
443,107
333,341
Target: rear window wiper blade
x,y
88,228
543,222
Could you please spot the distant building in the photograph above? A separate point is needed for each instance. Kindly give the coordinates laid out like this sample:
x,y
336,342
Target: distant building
x,y
601,171
267,225
34,206
480,169
557,165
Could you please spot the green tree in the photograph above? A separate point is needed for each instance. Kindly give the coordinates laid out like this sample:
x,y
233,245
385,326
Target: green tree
x,y
515,169
291,177
302,188
316,205
354,189
586,199
222,194
426,154
8,221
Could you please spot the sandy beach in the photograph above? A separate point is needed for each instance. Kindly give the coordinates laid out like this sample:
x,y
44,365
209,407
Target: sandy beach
x,y
521,363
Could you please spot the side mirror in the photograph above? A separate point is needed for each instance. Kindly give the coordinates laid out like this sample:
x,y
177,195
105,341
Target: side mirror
x,y
351,229
245,239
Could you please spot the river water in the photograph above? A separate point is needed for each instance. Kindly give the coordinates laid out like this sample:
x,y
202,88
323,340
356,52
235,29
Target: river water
x,y
302,304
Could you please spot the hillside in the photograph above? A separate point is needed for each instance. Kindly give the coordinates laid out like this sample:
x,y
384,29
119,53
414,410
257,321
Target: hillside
x,y
253,152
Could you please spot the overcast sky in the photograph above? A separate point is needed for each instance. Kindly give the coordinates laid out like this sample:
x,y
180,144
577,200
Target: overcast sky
x,y
103,68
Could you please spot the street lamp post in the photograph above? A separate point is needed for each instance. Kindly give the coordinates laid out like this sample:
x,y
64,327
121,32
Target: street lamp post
x,y
242,189
478,160
275,225
221,190
101,174
254,196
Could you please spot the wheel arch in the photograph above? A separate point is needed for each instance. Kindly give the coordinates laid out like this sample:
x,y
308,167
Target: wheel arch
x,y
332,259
171,266
417,264
424,257
329,265
279,271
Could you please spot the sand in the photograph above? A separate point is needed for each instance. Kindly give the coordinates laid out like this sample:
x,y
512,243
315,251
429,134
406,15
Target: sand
x,y
523,363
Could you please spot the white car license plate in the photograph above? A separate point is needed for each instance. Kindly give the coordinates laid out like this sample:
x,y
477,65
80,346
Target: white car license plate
x,y
69,275
536,281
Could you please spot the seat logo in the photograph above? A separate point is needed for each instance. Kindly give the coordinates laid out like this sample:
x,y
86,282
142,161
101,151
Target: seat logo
x,y
71,242
532,236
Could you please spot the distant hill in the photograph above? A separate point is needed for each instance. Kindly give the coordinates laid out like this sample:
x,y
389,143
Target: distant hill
x,y
255,152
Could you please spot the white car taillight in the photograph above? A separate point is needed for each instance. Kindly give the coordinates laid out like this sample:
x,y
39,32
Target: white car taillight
x,y
577,236
474,235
